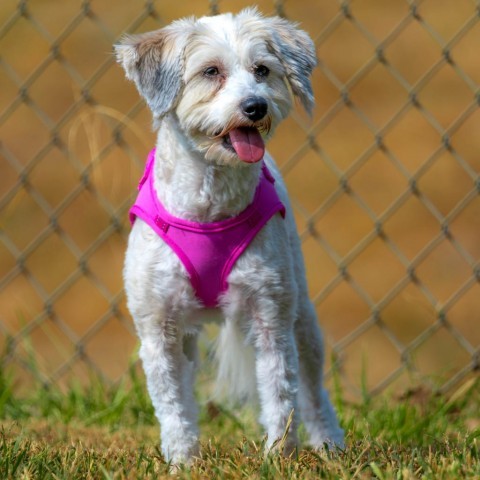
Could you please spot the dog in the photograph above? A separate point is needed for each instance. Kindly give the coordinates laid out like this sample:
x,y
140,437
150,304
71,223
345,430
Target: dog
x,y
213,229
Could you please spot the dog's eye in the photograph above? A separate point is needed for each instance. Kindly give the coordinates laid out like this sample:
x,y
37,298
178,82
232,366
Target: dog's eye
x,y
211,72
261,71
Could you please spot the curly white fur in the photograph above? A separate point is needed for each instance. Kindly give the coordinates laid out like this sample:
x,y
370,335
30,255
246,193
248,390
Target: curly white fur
x,y
199,178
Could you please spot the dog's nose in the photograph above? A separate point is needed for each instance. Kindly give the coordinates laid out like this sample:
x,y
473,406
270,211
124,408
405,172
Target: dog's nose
x,y
254,108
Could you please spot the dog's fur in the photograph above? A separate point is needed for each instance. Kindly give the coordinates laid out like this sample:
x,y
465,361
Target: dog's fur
x,y
199,178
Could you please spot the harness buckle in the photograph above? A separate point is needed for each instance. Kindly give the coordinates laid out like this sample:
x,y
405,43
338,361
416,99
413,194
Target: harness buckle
x,y
162,224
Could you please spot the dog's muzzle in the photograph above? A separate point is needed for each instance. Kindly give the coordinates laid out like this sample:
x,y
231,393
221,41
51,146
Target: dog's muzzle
x,y
246,141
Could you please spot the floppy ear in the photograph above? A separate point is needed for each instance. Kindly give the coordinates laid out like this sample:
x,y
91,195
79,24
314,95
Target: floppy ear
x,y
296,50
154,61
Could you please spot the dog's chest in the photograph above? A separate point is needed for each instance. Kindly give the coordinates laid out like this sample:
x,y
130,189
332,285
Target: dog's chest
x,y
213,194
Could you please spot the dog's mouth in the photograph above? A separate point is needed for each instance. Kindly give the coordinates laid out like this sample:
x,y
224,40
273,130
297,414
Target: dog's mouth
x,y
246,142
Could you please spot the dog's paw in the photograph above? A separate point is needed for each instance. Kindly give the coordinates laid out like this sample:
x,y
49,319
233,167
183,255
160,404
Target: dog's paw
x,y
331,440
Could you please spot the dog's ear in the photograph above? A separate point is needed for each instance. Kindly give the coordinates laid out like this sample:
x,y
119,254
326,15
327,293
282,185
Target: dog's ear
x,y
154,61
296,50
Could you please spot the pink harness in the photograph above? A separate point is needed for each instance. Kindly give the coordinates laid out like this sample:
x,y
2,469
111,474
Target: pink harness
x,y
207,250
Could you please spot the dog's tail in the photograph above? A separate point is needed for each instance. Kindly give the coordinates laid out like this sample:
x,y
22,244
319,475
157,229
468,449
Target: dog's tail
x,y
235,360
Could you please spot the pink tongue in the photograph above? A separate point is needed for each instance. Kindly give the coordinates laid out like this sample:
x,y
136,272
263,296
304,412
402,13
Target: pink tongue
x,y
248,144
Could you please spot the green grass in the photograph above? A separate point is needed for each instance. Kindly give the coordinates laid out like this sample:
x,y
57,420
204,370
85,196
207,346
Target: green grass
x,y
111,433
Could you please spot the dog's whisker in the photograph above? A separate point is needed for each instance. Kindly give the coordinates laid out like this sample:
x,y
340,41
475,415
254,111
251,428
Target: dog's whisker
x,y
266,126
263,127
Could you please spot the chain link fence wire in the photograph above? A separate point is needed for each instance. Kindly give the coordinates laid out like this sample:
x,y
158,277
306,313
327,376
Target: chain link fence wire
x,y
384,181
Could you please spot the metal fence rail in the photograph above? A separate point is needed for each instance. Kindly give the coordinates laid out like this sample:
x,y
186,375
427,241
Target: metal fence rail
x,y
384,181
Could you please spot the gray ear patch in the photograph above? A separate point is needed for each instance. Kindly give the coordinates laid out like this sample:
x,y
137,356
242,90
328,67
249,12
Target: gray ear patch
x,y
154,62
296,50
159,80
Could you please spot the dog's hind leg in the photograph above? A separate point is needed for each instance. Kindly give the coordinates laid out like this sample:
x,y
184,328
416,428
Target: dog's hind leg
x,y
316,410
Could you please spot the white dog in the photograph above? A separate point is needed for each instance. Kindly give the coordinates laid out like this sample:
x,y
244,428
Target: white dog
x,y
211,229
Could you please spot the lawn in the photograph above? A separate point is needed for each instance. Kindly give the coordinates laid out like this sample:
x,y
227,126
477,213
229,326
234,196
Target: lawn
x,y
110,432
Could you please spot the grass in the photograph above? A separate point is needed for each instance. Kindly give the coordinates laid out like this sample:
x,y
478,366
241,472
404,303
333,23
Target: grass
x,y
109,432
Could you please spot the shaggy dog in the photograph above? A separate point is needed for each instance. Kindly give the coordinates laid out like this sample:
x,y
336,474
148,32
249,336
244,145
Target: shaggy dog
x,y
213,230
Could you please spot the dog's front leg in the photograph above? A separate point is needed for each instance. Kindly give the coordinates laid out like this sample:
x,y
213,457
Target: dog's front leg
x,y
170,378
276,372
158,299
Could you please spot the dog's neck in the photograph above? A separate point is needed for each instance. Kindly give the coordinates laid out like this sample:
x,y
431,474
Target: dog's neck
x,y
192,188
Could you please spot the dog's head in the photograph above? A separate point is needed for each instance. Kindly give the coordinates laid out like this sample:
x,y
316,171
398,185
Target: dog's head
x,y
228,79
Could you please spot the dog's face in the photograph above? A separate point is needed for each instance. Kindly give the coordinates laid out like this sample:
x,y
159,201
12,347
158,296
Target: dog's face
x,y
228,79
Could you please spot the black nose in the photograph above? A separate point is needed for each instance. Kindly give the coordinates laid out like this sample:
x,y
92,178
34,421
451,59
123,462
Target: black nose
x,y
254,108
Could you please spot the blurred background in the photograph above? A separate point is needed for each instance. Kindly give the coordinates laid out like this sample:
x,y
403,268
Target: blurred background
x,y
384,181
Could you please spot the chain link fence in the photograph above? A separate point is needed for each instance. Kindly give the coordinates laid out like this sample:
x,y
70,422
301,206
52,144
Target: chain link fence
x,y
384,181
